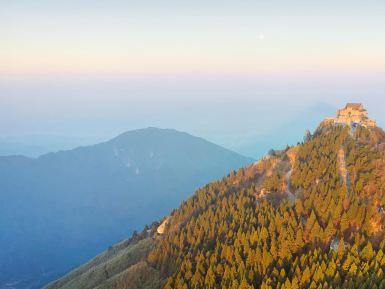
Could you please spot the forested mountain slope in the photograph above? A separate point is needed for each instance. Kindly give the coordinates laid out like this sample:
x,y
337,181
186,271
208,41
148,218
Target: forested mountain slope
x,y
310,216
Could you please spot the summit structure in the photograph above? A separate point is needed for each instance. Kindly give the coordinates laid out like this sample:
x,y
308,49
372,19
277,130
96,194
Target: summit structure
x,y
353,114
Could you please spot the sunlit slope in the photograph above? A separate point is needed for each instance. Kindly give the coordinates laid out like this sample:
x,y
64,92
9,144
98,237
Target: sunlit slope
x,y
309,216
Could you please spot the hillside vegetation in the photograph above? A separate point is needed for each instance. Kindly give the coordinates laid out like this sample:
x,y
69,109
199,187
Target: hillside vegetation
x,y
121,266
289,221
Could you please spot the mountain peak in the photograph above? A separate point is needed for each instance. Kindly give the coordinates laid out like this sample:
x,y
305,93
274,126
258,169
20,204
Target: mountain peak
x,y
352,114
277,223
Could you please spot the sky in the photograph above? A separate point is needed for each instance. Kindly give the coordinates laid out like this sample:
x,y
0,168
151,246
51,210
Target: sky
x,y
229,71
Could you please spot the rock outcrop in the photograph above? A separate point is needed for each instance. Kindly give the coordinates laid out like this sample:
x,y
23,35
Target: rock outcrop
x,y
162,226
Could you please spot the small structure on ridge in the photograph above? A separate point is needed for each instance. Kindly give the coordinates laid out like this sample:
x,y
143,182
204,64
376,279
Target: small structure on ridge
x,y
353,114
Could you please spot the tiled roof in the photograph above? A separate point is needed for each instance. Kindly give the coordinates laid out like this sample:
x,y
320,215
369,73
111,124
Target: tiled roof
x,y
354,105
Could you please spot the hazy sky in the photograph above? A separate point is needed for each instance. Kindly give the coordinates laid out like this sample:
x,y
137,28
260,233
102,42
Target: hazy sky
x,y
225,70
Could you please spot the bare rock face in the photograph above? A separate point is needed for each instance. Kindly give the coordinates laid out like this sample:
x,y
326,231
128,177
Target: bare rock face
x,y
162,226
352,114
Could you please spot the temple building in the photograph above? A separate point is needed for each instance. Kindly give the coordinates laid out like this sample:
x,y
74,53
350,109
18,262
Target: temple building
x,y
353,114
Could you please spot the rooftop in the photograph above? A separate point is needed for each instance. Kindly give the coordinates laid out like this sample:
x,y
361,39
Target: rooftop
x,y
354,105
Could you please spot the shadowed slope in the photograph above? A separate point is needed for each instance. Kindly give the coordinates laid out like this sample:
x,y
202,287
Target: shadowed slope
x,y
60,209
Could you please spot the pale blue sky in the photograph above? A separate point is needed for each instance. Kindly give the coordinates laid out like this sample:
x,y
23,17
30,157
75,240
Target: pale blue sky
x,y
230,71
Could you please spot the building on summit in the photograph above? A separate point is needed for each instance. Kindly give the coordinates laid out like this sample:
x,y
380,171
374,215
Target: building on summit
x,y
353,114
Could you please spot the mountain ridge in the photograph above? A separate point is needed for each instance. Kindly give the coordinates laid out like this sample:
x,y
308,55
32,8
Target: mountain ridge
x,y
89,197
243,231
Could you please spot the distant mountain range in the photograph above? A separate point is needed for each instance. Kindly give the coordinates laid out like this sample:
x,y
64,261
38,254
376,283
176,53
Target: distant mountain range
x,y
61,208
290,132
14,148
34,145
